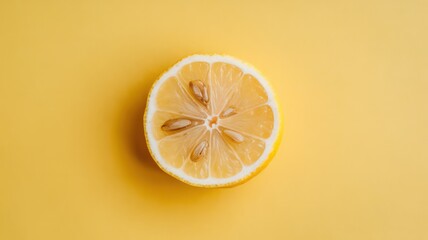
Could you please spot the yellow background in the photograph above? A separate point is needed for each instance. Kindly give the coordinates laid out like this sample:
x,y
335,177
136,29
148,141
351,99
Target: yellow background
x,y
351,76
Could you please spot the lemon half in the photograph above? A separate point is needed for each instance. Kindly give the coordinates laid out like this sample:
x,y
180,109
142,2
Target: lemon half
x,y
212,121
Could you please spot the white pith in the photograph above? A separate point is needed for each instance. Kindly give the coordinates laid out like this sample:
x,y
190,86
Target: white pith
x,y
210,181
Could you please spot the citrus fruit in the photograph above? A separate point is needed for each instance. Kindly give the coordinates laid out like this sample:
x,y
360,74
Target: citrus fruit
x,y
212,121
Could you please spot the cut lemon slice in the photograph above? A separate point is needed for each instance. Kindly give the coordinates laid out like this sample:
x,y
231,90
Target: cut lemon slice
x,y
212,121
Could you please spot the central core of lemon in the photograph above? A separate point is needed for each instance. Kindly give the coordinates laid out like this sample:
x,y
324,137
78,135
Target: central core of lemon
x,y
212,122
